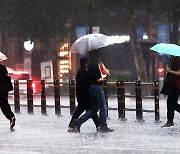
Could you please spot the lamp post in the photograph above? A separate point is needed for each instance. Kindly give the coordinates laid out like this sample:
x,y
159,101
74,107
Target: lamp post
x,y
28,46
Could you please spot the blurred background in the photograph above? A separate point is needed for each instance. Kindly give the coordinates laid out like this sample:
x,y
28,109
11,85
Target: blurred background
x,y
36,36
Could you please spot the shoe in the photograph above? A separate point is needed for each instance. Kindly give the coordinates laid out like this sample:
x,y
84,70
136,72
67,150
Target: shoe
x,y
106,130
168,124
77,125
72,130
98,129
12,122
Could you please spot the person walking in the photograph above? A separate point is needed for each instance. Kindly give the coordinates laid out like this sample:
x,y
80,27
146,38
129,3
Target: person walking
x,y
97,96
82,93
5,87
171,88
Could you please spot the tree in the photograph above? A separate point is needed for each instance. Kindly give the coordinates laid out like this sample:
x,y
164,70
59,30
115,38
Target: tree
x,y
129,12
168,11
130,9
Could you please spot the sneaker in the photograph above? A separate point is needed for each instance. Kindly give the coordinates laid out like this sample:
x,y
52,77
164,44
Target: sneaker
x,y
168,124
98,129
77,125
12,122
72,130
106,129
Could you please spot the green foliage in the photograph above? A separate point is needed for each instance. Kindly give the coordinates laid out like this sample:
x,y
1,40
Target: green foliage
x,y
35,18
47,18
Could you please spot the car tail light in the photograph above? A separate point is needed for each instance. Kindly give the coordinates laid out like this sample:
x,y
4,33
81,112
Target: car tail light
x,y
33,85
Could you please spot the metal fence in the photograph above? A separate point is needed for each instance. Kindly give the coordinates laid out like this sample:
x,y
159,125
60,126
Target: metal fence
x,y
120,94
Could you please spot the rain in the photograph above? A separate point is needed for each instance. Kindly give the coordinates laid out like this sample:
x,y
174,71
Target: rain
x,y
35,133
41,43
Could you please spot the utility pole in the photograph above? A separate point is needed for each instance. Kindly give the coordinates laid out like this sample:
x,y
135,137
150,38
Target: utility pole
x,y
173,21
89,18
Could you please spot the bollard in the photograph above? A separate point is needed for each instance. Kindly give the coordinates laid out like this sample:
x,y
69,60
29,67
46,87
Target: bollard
x,y
139,113
43,98
121,100
156,101
105,87
16,97
30,96
57,97
72,96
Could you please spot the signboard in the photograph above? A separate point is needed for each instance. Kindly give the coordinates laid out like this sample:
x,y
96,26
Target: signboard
x,y
95,29
47,71
80,31
163,33
163,36
140,33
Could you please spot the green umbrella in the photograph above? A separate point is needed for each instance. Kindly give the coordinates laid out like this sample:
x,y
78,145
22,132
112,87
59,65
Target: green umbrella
x,y
164,48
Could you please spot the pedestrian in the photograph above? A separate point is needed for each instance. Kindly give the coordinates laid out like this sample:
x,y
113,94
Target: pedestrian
x,y
5,87
82,93
173,72
97,96
171,88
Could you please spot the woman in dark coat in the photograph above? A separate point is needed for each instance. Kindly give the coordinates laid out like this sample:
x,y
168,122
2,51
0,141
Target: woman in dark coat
x,y
172,89
5,87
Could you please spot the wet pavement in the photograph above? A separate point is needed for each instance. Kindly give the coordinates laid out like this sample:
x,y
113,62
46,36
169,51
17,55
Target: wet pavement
x,y
38,134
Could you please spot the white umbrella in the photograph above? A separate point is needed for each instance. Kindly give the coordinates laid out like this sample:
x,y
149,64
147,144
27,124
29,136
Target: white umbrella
x,y
2,56
90,42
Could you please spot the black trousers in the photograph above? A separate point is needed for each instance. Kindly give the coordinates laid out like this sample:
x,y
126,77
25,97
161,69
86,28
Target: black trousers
x,y
172,104
5,107
84,106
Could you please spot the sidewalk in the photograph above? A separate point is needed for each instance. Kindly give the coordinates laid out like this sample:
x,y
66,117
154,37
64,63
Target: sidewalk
x,y
37,134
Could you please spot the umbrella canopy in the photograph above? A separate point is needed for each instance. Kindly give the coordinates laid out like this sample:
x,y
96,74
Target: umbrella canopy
x,y
90,42
2,56
170,49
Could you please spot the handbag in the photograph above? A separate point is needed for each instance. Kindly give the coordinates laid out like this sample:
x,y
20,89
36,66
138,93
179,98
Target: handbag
x,y
167,87
164,89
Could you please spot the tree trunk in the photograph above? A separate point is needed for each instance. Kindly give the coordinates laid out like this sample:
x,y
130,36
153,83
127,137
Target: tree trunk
x,y
138,57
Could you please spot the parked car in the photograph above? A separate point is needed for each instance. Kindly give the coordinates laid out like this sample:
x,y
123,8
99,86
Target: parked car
x,y
22,77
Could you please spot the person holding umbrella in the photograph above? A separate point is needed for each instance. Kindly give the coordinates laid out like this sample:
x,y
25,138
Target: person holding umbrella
x,y
82,93
97,96
171,88
85,45
173,72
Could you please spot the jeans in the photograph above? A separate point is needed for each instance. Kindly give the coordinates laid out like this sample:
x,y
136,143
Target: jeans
x,y
82,106
97,96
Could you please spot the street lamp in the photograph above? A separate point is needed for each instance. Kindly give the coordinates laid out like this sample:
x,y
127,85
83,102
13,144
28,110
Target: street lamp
x,y
28,46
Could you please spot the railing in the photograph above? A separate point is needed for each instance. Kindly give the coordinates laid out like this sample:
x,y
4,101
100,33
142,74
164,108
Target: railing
x,y
120,94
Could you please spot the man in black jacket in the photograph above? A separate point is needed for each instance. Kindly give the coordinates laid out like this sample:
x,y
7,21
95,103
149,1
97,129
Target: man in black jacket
x,y
82,93
5,87
97,96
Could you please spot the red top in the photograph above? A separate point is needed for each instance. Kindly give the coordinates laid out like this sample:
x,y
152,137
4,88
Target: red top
x,y
175,66
174,79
